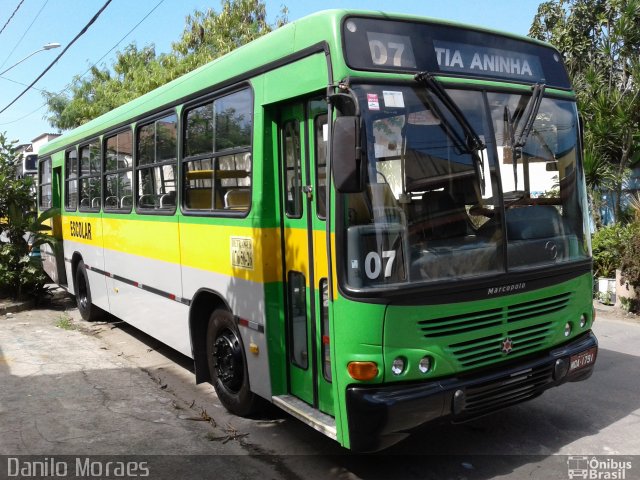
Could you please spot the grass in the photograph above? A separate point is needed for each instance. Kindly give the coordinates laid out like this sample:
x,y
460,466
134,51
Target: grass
x,y
64,322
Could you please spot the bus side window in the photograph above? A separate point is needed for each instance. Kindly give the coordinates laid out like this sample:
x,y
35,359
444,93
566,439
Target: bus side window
x,y
89,176
44,184
118,172
217,154
156,165
71,180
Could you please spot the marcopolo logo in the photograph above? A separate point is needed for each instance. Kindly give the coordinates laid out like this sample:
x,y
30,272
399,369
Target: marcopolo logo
x,y
593,468
514,287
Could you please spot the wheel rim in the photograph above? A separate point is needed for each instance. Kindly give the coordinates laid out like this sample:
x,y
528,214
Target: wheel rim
x,y
227,361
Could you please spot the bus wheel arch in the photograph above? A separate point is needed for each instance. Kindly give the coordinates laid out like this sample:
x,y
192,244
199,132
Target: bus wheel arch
x,y
227,364
75,260
88,311
204,302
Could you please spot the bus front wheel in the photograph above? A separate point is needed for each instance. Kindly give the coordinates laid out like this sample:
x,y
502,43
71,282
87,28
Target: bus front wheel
x,y
228,365
88,311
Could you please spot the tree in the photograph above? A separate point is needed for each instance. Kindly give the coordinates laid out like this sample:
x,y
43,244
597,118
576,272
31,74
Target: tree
x,y
136,71
19,273
600,40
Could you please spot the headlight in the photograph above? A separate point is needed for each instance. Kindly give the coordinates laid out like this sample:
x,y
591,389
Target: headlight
x,y
425,364
567,329
397,367
583,320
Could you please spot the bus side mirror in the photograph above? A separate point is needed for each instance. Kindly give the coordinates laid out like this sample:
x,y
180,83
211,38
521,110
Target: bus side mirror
x,y
346,155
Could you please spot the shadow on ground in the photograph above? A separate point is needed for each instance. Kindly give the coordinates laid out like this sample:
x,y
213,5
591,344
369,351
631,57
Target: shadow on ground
x,y
512,442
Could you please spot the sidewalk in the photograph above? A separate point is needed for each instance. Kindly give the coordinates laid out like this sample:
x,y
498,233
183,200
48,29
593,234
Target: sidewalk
x,y
57,295
65,393
611,312
13,306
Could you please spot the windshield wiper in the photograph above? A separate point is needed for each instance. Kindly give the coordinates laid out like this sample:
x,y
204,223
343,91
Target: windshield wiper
x,y
472,140
530,116
518,141
472,143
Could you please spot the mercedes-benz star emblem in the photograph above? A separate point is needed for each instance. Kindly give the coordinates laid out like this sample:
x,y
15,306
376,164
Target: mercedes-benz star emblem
x,y
552,250
507,345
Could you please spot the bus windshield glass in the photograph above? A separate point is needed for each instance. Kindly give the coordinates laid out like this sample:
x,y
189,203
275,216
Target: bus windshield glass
x,y
438,206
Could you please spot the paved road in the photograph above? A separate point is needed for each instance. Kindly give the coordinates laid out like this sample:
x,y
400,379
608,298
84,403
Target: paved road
x,y
110,389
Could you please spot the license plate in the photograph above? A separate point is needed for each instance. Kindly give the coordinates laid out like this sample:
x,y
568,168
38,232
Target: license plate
x,y
582,359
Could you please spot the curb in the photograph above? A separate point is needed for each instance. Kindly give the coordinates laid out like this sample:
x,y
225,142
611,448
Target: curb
x,y
15,307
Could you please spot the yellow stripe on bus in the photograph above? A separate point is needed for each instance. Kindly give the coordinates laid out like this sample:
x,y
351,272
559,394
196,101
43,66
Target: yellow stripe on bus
x,y
243,252
224,250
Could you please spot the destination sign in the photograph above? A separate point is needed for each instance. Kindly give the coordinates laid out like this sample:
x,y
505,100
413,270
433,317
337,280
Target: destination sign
x,y
463,58
390,45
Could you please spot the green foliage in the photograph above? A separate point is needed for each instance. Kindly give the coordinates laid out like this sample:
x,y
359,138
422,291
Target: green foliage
x,y
608,245
630,304
630,261
605,297
634,206
600,40
65,323
20,274
136,71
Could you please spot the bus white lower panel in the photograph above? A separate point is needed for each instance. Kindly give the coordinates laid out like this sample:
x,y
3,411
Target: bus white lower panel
x,y
162,318
145,293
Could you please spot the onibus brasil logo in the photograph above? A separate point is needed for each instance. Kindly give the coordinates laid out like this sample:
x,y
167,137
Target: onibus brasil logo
x,y
597,468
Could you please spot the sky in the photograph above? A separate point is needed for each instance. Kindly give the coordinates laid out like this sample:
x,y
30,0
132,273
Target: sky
x,y
39,22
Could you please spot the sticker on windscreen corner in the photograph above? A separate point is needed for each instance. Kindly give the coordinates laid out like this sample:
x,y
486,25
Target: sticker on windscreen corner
x,y
393,99
372,101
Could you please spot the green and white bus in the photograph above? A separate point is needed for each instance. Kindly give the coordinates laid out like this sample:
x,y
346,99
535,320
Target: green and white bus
x,y
370,220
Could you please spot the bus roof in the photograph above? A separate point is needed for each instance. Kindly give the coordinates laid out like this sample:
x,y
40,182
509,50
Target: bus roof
x,y
319,28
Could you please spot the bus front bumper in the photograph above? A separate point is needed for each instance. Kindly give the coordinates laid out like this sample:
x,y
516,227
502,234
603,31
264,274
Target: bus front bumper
x,y
380,416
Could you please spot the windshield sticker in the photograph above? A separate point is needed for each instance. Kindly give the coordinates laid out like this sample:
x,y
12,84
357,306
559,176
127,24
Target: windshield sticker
x,y
393,99
372,101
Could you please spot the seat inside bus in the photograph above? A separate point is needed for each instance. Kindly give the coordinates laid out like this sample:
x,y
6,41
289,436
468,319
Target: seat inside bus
x,y
237,199
441,217
376,202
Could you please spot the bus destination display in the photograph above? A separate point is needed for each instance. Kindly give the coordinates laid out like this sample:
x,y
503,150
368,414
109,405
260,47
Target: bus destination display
x,y
415,47
470,59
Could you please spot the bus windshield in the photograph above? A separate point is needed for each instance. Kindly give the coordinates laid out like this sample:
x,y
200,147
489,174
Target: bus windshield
x,y
434,209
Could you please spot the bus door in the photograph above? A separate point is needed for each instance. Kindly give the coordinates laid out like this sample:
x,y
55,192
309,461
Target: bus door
x,y
302,158
53,257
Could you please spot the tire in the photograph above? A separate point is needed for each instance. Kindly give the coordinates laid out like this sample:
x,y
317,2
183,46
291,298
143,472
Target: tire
x,y
88,311
228,365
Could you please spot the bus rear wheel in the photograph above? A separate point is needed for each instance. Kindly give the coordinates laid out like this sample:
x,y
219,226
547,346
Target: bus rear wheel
x,y
228,365
88,311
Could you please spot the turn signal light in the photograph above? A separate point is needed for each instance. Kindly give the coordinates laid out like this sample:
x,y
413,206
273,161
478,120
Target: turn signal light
x,y
362,370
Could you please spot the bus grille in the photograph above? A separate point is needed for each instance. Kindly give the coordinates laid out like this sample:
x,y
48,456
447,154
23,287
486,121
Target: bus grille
x,y
487,349
496,394
527,324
